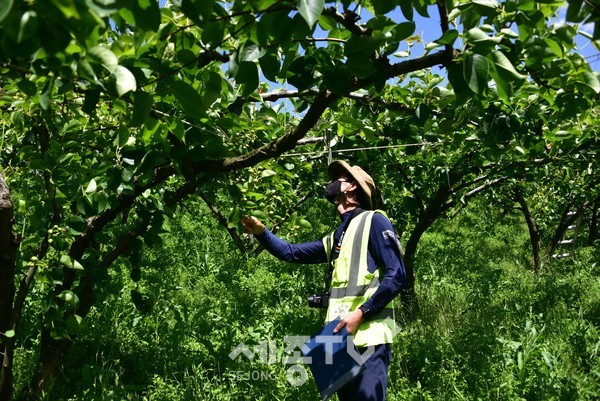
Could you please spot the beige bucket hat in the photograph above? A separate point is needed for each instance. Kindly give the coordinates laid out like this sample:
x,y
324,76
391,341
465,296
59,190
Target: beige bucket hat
x,y
339,168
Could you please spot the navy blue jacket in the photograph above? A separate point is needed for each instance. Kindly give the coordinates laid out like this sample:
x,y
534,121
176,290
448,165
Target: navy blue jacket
x,y
383,249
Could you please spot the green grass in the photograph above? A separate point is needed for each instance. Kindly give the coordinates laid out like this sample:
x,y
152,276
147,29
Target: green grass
x,y
487,328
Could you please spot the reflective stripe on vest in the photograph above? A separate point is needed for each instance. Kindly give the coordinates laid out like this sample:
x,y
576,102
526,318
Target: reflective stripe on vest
x,y
352,284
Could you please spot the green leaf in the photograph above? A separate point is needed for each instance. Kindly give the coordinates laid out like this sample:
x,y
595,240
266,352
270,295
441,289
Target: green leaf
x,y
476,36
46,95
538,52
74,324
407,9
301,72
269,64
248,76
475,72
383,6
503,87
213,33
362,67
189,99
186,57
259,214
362,45
28,26
127,174
486,7
146,14
27,87
310,10
448,37
5,7
125,80
502,62
590,79
91,187
565,33
573,10
268,174
68,8
304,224
337,80
54,35
255,195
104,57
91,101
421,7
142,105
69,298
247,73
59,331
251,52
101,202
403,30
70,262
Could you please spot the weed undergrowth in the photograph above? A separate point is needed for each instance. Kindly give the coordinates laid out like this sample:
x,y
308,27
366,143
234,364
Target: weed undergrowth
x,y
487,328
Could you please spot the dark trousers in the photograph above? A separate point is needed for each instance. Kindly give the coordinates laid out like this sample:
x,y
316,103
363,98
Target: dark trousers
x,y
371,384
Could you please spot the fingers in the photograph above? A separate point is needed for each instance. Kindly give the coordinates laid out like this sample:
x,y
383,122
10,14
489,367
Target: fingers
x,y
249,220
351,322
339,326
252,225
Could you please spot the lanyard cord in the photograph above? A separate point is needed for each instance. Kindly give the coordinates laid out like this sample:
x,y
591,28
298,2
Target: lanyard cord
x,y
335,248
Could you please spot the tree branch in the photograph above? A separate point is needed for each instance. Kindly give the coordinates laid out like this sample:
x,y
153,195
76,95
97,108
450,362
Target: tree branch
x,y
441,4
239,242
289,214
306,141
203,60
274,148
534,233
97,223
285,94
348,20
440,58
182,192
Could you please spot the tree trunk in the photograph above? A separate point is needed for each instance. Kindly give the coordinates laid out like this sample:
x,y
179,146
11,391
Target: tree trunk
x,y
52,353
438,205
8,246
534,233
593,225
567,219
408,295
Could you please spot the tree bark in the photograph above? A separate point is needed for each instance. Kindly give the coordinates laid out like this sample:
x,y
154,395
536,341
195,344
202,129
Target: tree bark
x,y
49,363
8,246
428,215
534,232
569,217
593,225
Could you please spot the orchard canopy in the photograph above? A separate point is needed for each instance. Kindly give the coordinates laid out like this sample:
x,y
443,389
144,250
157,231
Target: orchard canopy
x,y
115,112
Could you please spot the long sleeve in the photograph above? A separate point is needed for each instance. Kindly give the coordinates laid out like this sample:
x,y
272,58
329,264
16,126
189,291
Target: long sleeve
x,y
307,252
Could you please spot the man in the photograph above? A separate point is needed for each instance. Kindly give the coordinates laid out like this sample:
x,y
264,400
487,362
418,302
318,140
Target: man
x,y
366,272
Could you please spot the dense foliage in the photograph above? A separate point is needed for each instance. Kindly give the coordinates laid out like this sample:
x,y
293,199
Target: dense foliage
x,y
488,327
118,114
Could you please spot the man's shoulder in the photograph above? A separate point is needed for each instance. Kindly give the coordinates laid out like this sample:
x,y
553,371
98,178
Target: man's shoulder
x,y
380,221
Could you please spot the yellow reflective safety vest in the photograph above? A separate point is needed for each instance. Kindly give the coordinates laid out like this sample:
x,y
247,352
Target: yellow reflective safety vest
x,y
352,284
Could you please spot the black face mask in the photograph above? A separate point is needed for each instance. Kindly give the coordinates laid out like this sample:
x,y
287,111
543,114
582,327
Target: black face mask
x,y
333,190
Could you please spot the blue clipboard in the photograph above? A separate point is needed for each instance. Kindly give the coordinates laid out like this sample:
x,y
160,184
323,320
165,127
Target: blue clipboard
x,y
332,364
